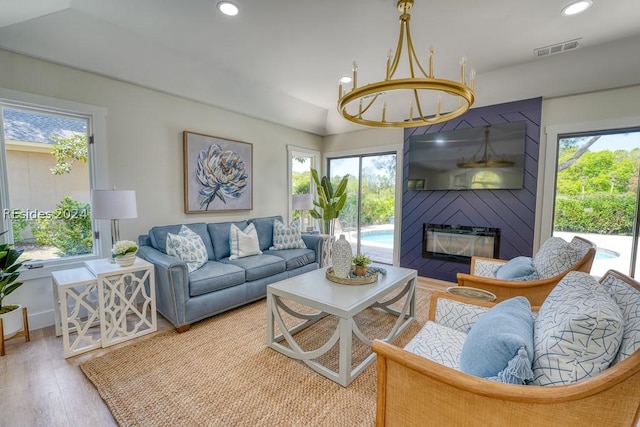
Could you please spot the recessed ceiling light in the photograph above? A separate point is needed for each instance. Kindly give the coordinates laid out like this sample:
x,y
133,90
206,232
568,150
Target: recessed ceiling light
x,y
577,7
345,79
228,8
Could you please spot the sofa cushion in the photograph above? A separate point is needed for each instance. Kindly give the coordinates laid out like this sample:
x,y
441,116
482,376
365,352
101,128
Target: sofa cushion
x,y
219,235
295,258
577,332
187,246
258,266
287,237
243,243
438,343
264,228
214,276
158,236
628,299
499,345
519,268
555,256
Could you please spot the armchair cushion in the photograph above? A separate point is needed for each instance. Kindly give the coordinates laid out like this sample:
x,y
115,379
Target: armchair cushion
x,y
555,256
438,343
628,299
499,345
577,332
519,268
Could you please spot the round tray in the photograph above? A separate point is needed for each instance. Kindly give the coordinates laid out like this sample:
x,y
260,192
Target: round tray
x,y
466,291
364,280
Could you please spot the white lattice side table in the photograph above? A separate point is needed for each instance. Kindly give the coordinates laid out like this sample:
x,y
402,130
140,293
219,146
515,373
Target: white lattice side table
x,y
127,299
76,310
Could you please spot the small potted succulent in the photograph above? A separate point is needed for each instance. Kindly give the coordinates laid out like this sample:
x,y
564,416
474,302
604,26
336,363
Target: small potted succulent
x,y
11,314
124,252
361,261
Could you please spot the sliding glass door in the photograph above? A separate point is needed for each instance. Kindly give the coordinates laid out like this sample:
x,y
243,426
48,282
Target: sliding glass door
x,y
597,195
367,219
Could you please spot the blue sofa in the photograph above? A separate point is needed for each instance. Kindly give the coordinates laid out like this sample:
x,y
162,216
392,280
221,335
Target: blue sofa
x,y
221,284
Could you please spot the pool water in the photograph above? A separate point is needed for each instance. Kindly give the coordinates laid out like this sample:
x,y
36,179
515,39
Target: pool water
x,y
602,253
384,237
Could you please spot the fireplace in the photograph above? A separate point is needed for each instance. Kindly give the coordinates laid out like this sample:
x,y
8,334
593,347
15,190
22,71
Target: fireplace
x,y
459,243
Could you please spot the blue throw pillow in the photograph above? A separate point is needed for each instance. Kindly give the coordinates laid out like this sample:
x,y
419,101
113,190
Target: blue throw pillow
x,y
518,268
499,345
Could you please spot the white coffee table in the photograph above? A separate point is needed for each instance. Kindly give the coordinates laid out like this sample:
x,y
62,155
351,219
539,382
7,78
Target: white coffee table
x,y
314,290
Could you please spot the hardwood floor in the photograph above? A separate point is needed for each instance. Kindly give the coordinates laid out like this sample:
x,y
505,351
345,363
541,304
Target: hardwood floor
x,y
39,387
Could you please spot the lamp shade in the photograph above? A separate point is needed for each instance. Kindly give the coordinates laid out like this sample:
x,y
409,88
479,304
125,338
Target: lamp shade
x,y
113,204
302,202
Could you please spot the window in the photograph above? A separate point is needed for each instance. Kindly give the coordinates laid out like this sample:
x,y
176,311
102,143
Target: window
x,y
47,172
300,164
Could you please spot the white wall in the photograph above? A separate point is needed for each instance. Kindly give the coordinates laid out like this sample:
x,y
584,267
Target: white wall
x,y
144,134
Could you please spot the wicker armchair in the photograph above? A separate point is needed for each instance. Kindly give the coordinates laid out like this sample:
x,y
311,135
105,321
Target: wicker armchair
x,y
482,276
415,391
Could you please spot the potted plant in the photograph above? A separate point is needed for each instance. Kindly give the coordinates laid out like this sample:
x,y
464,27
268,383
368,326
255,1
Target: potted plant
x,y
361,261
330,202
124,252
11,314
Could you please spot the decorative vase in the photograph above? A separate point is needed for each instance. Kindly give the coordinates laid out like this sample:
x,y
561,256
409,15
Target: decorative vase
x,y
126,260
12,322
341,257
360,270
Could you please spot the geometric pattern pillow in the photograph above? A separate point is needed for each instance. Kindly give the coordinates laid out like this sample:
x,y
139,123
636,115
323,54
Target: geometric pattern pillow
x,y
628,299
439,344
577,331
554,257
486,268
457,315
287,237
243,243
189,247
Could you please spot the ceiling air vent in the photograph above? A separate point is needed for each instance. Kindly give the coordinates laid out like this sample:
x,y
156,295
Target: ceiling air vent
x,y
556,48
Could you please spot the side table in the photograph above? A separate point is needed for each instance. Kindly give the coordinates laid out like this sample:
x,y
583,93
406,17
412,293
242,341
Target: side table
x,y
121,300
126,298
75,306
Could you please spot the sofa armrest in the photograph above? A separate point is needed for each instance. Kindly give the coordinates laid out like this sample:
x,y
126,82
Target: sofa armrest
x,y
172,284
456,312
315,242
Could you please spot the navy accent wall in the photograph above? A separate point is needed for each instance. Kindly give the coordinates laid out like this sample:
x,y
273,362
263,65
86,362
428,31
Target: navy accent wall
x,y
512,211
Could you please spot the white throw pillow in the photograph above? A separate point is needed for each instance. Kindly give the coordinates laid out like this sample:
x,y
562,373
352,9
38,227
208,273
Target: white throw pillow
x,y
287,237
243,243
555,256
577,332
189,247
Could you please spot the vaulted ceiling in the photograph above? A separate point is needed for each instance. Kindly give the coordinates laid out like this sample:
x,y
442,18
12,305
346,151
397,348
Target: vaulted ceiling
x,y
280,60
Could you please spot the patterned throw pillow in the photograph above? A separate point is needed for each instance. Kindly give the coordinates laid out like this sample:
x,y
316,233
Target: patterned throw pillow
x,y
243,243
189,247
577,332
554,257
628,299
287,237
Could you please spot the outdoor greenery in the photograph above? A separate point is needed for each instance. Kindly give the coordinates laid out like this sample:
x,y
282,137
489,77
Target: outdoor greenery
x,y
68,228
596,190
9,273
67,151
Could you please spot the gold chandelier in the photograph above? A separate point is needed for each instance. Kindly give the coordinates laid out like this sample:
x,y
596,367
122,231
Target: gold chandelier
x,y
359,104
485,160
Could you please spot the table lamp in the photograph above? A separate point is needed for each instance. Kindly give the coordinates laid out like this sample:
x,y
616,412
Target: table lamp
x,y
113,205
302,202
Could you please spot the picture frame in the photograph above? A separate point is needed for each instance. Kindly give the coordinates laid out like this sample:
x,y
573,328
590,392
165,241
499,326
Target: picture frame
x,y
218,173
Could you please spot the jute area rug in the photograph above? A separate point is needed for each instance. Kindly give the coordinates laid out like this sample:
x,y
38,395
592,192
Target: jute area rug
x,y
221,373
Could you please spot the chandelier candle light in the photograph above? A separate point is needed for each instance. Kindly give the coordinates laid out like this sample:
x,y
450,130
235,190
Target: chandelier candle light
x,y
359,105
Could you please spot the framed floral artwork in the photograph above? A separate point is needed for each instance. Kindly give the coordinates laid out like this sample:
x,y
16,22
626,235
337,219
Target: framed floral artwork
x,y
218,174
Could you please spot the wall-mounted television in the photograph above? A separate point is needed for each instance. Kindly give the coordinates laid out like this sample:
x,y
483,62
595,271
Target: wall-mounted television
x,y
487,157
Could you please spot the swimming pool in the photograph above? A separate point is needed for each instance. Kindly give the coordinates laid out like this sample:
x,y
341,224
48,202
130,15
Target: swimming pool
x,y
384,237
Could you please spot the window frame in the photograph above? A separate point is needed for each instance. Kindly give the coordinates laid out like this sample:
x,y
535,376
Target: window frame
x,y
293,151
98,173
